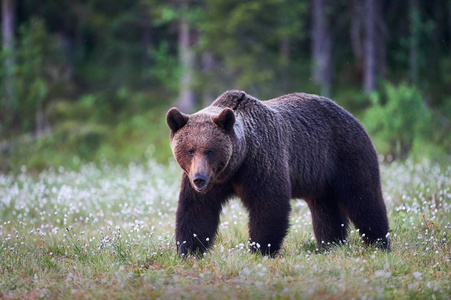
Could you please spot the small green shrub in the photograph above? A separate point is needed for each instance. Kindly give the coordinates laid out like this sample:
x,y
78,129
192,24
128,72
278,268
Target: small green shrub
x,y
397,118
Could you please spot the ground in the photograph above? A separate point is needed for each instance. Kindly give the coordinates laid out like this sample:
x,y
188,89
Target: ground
x,y
107,232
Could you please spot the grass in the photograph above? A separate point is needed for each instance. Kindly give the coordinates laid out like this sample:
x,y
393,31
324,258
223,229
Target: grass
x,y
107,232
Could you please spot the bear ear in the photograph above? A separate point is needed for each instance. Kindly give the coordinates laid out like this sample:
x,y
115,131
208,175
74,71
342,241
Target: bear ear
x,y
175,119
225,119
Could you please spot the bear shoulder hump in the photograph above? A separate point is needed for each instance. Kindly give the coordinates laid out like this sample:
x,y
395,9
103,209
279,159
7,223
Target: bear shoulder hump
x,y
236,100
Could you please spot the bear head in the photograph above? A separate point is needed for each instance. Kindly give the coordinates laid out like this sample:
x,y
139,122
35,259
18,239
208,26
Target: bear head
x,y
202,144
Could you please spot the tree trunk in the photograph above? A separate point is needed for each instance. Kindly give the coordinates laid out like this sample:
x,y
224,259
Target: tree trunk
x,y
381,39
322,47
8,47
414,41
404,149
64,43
284,61
370,45
449,25
187,39
147,44
40,119
208,63
284,50
357,20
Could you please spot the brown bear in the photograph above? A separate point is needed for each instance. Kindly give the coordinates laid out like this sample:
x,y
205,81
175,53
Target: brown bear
x,y
266,153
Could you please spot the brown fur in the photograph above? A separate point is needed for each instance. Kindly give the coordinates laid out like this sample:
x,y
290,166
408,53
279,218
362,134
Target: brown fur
x,y
295,146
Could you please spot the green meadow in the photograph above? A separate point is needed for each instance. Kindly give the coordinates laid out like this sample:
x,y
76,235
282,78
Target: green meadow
x,y
107,232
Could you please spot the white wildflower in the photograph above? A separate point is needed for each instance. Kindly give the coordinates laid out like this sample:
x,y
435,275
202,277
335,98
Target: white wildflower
x,y
417,275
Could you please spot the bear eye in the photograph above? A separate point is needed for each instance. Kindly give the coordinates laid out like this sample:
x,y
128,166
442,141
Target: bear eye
x,y
208,153
190,153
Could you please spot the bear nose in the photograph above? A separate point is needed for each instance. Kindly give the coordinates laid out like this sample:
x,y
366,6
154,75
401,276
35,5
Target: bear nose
x,y
199,180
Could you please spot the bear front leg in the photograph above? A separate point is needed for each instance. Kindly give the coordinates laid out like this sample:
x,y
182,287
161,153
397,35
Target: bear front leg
x,y
197,218
268,221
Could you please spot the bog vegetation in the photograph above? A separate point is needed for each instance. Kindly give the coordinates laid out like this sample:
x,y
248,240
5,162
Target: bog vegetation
x,y
108,232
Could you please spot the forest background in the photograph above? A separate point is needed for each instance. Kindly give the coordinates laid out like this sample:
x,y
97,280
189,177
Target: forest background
x,y
91,80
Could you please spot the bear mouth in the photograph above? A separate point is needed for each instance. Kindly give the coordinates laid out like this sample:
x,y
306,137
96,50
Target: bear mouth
x,y
200,188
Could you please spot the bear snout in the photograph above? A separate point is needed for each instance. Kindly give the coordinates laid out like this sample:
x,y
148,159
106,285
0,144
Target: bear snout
x,y
200,182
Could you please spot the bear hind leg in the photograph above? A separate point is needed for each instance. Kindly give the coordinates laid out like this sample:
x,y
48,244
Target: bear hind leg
x,y
330,224
370,217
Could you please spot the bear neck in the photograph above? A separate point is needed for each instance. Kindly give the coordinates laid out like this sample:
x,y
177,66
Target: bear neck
x,y
239,147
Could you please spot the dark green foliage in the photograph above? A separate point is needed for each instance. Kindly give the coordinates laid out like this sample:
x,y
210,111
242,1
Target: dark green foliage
x,y
37,77
247,39
90,130
166,71
92,79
